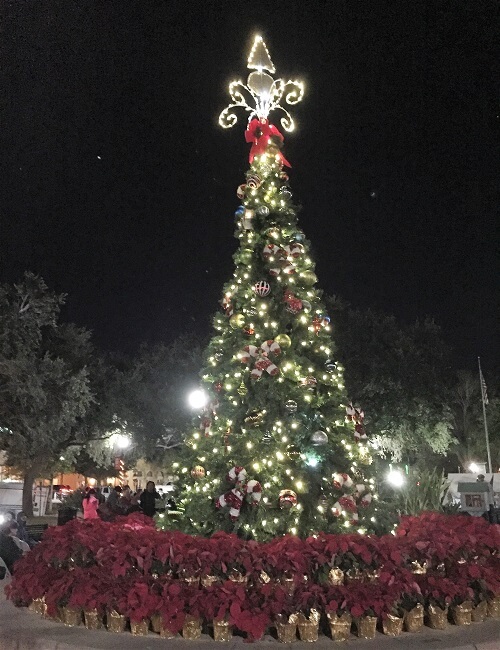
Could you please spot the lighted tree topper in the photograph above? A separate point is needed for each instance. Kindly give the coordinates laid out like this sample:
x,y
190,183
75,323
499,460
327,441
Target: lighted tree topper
x,y
265,92
277,448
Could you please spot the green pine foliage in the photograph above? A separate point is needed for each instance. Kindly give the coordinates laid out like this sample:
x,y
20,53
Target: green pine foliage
x,y
285,424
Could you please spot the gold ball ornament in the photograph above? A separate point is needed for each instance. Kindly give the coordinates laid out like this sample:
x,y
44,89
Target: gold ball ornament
x,y
236,321
308,278
254,419
198,471
273,232
284,341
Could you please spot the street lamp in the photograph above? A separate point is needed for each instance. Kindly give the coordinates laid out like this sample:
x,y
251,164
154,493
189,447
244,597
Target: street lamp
x,y
197,399
121,441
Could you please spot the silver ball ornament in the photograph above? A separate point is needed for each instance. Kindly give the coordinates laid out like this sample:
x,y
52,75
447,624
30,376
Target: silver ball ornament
x,y
319,438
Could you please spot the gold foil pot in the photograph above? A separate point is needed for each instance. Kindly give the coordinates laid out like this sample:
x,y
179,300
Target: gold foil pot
x,y
158,626
43,607
309,627
437,618
264,577
287,632
191,628
392,625
222,631
165,633
419,569
340,626
38,606
462,614
156,623
441,569
116,622
353,576
71,617
494,607
286,628
288,583
192,581
366,627
93,620
336,576
414,619
371,575
208,581
236,576
480,612
140,628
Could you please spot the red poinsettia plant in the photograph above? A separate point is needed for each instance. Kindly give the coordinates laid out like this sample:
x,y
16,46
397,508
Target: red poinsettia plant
x,y
285,557
233,556
177,601
251,616
218,599
441,592
142,601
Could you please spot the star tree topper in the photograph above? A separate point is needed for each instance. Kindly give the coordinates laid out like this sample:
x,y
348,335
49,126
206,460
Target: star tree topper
x,y
261,94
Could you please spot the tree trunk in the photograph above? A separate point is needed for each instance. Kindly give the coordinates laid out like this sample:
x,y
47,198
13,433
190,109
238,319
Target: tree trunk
x,y
51,492
29,478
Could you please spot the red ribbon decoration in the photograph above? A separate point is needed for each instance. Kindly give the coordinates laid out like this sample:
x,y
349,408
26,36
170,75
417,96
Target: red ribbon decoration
x,y
259,134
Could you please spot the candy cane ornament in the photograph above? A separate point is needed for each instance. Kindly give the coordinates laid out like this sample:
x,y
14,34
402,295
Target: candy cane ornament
x,y
234,497
261,355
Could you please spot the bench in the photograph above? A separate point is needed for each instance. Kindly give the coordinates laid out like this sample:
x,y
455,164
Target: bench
x,y
35,531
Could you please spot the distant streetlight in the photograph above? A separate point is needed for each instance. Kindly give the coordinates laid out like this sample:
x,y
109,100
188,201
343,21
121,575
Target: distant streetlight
x,y
396,478
121,441
197,399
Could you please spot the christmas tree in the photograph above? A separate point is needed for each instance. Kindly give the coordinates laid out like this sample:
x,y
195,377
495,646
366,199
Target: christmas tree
x,y
277,448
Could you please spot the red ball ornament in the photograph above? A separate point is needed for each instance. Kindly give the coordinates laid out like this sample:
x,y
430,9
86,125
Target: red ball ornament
x,y
287,499
317,323
218,386
262,288
248,331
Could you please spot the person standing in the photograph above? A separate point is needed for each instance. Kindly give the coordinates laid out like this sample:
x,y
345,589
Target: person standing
x,y
9,552
148,499
90,504
114,499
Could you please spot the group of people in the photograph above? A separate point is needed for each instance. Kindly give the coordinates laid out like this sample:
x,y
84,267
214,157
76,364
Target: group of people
x,y
14,540
121,501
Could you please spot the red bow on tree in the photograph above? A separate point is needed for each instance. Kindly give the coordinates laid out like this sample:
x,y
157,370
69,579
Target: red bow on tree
x,y
259,134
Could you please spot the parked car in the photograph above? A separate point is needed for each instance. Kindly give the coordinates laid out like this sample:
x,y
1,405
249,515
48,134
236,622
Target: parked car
x,y
106,491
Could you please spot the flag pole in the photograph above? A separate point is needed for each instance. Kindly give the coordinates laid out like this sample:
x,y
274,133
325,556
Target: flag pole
x,y
483,396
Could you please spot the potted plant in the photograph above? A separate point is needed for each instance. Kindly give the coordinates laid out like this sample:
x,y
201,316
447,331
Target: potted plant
x,y
365,604
310,600
339,618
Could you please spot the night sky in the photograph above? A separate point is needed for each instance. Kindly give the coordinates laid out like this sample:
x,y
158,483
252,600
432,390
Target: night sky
x,y
118,185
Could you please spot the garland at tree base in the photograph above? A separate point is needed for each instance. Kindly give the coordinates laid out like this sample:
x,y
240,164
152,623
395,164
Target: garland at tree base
x,y
449,565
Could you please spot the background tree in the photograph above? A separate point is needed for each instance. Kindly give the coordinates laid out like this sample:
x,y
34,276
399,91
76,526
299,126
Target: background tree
x,y
45,381
155,385
400,375
468,424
